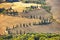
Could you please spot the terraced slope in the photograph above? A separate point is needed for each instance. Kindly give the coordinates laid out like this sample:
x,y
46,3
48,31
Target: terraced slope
x,y
9,21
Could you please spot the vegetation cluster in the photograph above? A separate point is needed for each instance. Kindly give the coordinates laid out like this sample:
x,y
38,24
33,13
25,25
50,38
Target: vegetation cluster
x,y
32,36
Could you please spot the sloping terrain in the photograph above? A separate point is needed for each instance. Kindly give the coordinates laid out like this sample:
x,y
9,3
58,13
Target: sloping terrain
x,y
50,28
9,21
38,12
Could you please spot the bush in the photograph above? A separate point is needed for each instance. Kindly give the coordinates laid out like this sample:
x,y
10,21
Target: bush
x,y
33,36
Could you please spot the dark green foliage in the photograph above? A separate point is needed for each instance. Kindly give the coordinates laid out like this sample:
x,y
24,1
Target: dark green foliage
x,y
2,10
1,38
7,37
32,36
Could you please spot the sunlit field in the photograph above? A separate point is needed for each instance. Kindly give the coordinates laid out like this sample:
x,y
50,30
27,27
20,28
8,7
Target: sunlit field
x,y
19,6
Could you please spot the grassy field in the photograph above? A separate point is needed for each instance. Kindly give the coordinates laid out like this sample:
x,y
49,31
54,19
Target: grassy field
x,y
18,6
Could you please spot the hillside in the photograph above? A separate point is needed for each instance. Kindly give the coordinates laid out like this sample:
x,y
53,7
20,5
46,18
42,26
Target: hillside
x,y
8,21
12,21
